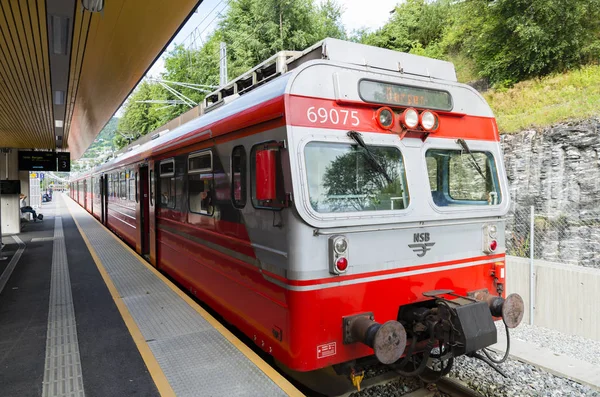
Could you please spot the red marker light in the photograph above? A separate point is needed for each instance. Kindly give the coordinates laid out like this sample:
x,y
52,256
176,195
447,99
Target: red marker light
x,y
342,264
493,245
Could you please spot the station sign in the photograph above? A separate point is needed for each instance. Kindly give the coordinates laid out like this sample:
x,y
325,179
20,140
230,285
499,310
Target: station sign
x,y
37,161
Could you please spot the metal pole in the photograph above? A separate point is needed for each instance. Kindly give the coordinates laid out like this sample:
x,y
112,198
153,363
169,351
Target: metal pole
x,y
223,64
531,266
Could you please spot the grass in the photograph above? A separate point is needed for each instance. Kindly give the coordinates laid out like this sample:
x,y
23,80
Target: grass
x,y
542,102
465,68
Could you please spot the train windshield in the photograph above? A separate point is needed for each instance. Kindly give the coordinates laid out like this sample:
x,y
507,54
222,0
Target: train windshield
x,y
347,178
460,178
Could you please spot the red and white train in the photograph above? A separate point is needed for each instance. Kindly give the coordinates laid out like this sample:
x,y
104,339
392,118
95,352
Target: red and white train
x,y
334,204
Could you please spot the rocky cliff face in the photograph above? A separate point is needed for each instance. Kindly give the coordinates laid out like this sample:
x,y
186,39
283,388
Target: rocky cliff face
x,y
557,170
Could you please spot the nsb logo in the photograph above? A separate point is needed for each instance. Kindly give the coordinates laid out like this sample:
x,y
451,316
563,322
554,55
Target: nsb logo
x,y
422,244
421,237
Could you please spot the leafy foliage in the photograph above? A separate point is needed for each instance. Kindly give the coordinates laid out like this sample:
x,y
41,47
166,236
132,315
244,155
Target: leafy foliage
x,y
508,40
192,66
254,30
512,40
416,25
140,118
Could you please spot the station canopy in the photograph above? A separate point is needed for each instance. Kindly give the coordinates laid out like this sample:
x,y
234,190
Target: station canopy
x,y
65,67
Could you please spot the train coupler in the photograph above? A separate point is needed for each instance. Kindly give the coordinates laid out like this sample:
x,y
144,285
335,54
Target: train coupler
x,y
388,340
511,309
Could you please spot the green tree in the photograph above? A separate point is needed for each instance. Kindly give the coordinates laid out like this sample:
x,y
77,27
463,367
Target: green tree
x,y
140,118
192,66
512,40
254,30
414,25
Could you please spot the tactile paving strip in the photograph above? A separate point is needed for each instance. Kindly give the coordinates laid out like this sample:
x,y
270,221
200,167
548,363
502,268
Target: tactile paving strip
x,y
196,359
62,371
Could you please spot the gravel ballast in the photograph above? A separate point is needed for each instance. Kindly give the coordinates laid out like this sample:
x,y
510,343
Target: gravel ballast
x,y
569,345
523,380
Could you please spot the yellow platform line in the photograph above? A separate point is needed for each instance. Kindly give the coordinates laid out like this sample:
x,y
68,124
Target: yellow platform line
x,y
269,371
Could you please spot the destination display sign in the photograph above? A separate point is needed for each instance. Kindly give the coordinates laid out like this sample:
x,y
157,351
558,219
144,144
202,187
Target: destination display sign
x,y
404,95
37,161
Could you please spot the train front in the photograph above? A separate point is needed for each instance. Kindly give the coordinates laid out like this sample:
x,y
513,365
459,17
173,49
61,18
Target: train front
x,y
397,243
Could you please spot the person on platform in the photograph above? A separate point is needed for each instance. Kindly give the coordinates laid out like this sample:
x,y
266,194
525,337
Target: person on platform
x,y
26,208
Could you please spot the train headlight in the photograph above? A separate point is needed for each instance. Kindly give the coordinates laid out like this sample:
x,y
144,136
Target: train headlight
x,y
410,118
493,231
429,121
340,245
385,117
338,255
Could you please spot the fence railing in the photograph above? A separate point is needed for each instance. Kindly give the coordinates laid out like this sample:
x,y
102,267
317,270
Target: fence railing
x,y
568,236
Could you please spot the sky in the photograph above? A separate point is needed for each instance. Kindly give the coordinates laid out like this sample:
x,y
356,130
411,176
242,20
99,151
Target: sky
x,y
370,14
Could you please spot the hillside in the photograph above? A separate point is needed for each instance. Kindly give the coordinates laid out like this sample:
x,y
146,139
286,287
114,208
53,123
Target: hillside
x,y
103,143
537,103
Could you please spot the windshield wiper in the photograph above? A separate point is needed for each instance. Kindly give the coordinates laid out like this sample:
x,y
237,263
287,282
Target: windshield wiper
x,y
464,146
355,135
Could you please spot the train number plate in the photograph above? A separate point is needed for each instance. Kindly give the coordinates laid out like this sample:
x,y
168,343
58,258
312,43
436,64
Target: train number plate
x,y
326,350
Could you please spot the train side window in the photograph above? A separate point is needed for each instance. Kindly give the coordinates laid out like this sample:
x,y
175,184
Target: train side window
x,y
167,183
238,177
122,186
131,182
136,181
201,183
152,188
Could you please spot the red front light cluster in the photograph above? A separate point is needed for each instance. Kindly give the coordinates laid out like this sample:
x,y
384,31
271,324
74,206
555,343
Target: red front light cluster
x,y
493,245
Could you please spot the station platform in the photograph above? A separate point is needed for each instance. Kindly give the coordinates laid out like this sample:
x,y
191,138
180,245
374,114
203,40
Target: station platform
x,y
81,314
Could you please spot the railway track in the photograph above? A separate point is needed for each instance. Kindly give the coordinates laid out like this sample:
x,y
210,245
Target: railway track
x,y
445,387
455,388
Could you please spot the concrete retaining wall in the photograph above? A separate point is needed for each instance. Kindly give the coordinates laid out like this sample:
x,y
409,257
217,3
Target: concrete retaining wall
x,y
566,296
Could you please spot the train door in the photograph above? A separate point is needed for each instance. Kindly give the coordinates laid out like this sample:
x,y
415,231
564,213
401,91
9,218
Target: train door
x,y
144,200
152,213
91,197
104,197
85,194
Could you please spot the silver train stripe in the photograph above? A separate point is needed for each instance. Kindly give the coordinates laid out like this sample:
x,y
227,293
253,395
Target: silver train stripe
x,y
257,263
214,246
62,371
377,278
